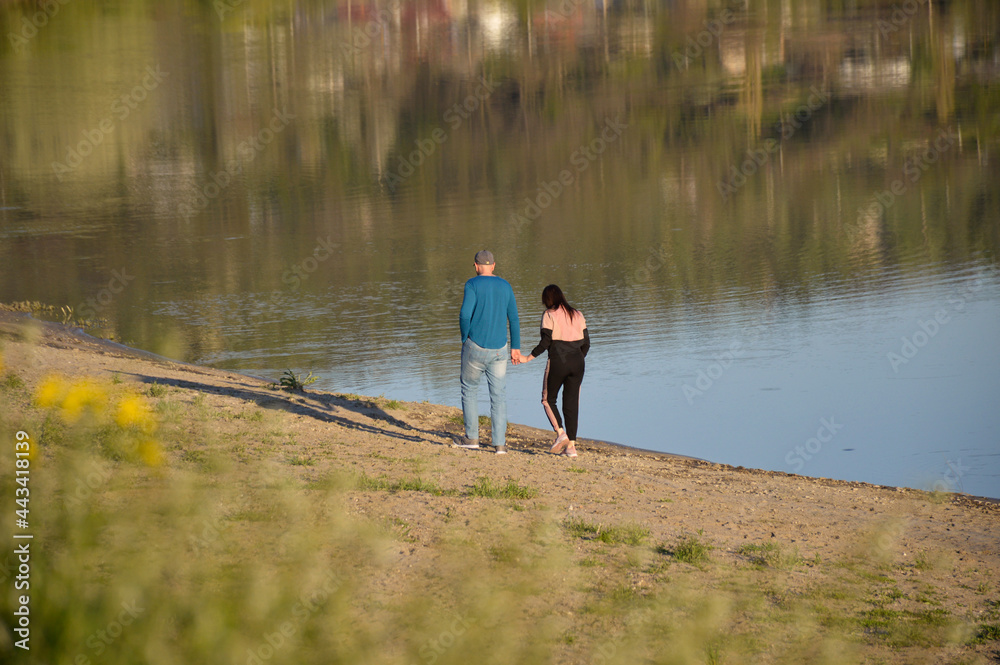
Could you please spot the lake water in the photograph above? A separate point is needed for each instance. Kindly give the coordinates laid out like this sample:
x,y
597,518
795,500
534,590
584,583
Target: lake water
x,y
780,218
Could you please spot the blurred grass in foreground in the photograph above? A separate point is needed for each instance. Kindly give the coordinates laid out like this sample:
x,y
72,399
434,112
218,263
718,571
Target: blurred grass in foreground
x,y
136,560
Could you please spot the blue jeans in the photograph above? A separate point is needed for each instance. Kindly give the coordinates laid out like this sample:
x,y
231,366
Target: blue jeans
x,y
475,361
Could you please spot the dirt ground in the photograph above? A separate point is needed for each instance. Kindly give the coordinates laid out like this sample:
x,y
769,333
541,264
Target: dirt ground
x,y
950,542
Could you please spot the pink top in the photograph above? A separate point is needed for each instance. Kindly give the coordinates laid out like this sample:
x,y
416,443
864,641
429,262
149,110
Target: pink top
x,y
564,328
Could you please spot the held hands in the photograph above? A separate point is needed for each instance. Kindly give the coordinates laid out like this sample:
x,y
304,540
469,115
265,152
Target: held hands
x,y
517,358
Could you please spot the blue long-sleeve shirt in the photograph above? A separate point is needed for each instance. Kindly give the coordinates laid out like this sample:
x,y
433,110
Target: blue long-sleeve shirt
x,y
488,307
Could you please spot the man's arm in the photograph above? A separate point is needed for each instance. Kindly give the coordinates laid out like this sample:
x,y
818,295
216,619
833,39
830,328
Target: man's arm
x,y
468,307
515,323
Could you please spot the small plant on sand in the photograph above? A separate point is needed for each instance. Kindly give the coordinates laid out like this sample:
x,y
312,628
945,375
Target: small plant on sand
x,y
631,534
12,382
401,528
938,497
769,554
922,561
688,549
290,382
384,484
986,632
254,416
624,593
389,403
580,528
491,489
156,390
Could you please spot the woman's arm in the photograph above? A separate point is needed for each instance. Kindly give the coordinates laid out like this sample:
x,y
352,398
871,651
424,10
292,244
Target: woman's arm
x,y
543,344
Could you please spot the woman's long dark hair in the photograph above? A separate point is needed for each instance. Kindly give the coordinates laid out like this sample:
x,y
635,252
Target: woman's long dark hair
x,y
552,296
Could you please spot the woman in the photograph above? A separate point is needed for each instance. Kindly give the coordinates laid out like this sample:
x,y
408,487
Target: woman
x,y
565,337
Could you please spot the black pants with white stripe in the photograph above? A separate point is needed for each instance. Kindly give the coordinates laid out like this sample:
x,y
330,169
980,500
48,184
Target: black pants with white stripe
x,y
567,374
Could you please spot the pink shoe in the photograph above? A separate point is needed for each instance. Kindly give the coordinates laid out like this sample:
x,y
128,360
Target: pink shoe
x,y
561,442
570,449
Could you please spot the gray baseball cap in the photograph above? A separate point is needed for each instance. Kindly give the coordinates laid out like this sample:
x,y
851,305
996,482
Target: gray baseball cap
x,y
484,257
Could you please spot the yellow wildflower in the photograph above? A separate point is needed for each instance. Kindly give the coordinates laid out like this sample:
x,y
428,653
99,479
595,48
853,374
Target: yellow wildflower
x,y
135,411
81,396
50,391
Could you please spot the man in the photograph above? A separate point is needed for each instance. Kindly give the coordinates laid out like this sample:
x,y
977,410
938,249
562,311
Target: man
x,y
488,308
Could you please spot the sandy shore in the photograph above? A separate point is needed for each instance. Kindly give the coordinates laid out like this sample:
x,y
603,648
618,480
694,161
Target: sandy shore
x,y
948,542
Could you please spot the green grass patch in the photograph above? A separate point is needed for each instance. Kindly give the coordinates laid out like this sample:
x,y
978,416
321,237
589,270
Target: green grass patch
x,y
922,561
938,497
156,390
580,528
491,489
770,555
12,382
504,553
986,632
688,549
254,416
389,403
658,567
631,534
899,628
169,410
384,484
624,593
401,529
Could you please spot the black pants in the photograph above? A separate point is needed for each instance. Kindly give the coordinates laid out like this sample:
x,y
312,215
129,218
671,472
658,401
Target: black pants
x,y
565,373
